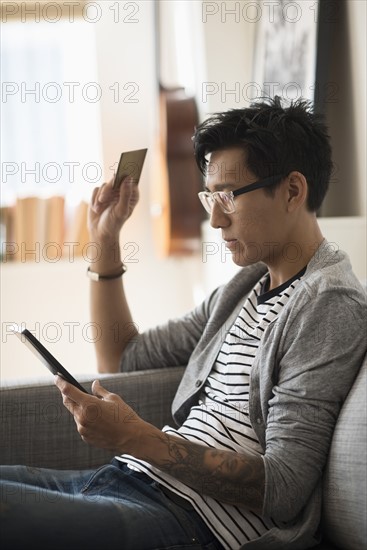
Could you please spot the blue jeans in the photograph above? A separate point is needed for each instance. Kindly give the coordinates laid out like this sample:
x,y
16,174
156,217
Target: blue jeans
x,y
112,507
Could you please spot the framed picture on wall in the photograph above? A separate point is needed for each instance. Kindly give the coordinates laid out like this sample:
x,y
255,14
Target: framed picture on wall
x,y
285,53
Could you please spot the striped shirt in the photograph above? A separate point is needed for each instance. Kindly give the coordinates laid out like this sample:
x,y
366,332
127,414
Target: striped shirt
x,y
221,418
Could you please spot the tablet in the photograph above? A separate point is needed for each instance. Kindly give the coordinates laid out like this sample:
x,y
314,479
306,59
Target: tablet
x,y
45,356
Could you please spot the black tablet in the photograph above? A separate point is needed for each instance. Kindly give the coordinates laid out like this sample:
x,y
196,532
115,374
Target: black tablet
x,y
45,356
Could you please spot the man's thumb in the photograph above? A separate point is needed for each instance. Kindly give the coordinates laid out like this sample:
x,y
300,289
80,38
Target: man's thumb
x,y
99,391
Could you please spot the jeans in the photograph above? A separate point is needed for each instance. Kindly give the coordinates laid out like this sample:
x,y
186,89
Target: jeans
x,y
112,507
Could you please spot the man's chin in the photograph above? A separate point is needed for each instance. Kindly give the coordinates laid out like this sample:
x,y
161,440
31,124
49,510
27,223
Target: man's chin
x,y
246,255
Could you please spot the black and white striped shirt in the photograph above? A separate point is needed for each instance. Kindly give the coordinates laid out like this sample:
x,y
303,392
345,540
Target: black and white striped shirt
x,y
221,418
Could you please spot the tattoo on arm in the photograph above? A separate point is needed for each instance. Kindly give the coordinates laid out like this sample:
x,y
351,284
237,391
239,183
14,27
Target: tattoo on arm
x,y
228,476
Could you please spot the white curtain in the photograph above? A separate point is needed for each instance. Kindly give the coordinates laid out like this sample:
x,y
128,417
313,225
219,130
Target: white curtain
x,y
50,124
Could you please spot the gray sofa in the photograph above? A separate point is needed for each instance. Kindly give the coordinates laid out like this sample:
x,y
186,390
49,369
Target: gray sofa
x,y
37,430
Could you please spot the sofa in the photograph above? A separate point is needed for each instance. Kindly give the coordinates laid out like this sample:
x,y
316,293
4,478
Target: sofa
x,y
37,430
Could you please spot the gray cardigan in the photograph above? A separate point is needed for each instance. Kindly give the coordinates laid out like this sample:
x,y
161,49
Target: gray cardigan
x,y
304,368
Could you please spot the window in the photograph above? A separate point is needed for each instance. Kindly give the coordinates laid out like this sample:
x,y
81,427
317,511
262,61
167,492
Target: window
x,y
50,123
50,112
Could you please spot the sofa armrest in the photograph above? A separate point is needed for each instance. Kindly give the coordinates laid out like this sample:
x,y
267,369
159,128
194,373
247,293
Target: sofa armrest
x,y
37,430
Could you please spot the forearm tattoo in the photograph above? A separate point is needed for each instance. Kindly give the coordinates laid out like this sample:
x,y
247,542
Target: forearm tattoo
x,y
228,476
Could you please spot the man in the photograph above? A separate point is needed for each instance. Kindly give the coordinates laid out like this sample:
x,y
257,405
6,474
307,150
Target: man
x,y
271,357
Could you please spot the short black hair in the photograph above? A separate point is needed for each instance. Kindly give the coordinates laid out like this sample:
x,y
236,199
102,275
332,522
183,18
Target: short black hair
x,y
277,139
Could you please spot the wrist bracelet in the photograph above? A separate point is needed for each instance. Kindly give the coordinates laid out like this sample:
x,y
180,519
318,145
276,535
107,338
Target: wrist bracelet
x,y
97,277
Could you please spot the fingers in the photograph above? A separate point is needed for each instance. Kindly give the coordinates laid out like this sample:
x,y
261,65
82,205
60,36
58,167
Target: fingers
x,y
102,197
107,192
80,405
105,195
126,190
70,392
99,391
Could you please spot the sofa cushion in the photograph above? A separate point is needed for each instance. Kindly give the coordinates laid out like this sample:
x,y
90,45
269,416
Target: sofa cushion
x,y
344,491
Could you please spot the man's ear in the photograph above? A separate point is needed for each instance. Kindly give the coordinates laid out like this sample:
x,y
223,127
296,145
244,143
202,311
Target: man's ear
x,y
297,190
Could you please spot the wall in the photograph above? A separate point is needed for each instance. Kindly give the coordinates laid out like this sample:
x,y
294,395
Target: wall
x,y
228,41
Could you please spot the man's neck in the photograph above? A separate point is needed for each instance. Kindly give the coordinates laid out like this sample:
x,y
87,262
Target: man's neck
x,y
294,256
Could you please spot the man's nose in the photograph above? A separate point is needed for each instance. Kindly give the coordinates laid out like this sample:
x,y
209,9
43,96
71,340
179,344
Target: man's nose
x,y
218,218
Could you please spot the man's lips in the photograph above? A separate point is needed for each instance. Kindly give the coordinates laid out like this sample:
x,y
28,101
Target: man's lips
x,y
231,243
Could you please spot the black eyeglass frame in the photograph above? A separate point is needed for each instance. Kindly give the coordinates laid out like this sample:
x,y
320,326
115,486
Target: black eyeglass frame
x,y
267,182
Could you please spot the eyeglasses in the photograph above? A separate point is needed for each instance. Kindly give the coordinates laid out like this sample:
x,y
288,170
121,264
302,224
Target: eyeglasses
x,y
225,199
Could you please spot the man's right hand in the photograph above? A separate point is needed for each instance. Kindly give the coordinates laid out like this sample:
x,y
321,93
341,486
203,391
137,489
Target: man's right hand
x,y
109,209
